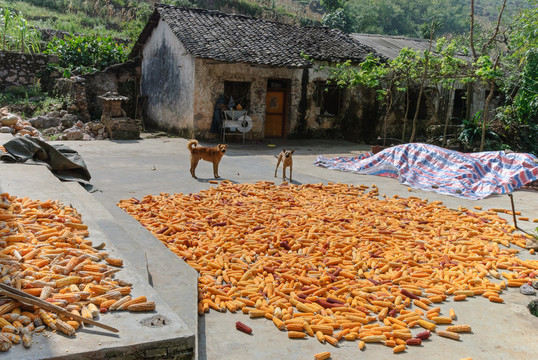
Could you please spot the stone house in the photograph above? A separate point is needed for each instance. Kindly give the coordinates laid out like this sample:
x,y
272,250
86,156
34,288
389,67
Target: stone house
x,y
191,59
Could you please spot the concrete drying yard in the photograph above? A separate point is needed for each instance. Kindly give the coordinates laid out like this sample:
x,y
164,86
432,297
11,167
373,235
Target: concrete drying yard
x,y
125,169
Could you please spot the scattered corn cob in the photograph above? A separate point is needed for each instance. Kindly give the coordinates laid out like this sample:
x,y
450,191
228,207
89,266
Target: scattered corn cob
x,y
59,266
336,270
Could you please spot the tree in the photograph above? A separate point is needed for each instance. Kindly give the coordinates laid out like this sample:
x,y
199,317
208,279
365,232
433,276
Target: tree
x,y
486,63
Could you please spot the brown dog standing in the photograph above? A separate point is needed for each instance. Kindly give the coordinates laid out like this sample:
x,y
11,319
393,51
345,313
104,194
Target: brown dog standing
x,y
287,161
211,154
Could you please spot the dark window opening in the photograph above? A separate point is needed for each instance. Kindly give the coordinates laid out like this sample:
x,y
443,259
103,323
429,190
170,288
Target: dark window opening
x,y
459,111
277,84
413,99
237,92
328,98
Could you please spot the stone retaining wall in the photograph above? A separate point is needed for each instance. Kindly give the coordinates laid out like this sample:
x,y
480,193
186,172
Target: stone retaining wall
x,y
21,69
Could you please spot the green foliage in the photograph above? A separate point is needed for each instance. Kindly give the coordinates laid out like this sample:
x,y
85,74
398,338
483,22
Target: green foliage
x,y
338,19
30,100
85,54
17,34
471,134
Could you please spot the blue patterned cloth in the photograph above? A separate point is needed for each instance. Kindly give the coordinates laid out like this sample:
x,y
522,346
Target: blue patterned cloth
x,y
428,167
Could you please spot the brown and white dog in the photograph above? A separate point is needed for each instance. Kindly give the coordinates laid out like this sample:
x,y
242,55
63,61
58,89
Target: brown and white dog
x,y
212,154
287,161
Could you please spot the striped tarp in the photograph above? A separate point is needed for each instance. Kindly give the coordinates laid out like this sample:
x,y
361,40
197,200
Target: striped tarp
x,y
429,167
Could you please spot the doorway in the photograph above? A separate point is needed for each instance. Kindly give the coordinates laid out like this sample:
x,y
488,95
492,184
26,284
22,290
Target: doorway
x,y
275,107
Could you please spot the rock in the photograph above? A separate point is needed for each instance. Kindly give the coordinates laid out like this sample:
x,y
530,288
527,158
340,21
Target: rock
x,y
9,120
36,122
63,113
73,135
87,137
6,130
526,289
122,128
68,120
49,122
54,114
79,124
535,284
18,126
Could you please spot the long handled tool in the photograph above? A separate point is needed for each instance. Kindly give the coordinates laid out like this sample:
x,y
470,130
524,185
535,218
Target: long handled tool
x,y
23,297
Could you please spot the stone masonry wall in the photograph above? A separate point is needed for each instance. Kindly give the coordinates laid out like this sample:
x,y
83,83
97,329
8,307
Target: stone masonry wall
x,y
21,69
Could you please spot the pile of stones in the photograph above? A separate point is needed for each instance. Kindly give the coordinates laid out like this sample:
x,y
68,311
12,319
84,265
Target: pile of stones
x,y
56,125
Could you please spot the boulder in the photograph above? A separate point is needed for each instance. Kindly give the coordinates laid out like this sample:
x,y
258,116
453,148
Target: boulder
x,y
49,122
9,120
122,128
68,120
6,130
73,135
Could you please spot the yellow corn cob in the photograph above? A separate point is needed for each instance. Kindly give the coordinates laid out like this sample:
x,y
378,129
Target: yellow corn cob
x,y
4,309
4,322
449,334
308,329
442,320
73,323
278,323
65,327
320,337
459,328
114,262
145,306
27,340
125,305
115,304
93,310
112,294
15,339
452,314
255,313
47,320
86,313
295,327
322,356
398,349
5,343
374,338
68,280
331,340
296,334
362,344
427,325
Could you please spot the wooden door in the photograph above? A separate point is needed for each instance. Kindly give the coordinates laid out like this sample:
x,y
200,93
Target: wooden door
x,y
275,111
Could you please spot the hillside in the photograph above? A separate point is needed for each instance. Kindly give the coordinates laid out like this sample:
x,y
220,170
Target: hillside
x,y
125,18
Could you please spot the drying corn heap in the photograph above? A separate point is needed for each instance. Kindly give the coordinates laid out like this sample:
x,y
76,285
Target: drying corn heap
x,y
334,261
44,253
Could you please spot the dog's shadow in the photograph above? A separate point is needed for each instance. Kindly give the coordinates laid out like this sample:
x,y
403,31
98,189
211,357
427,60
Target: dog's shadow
x,y
215,181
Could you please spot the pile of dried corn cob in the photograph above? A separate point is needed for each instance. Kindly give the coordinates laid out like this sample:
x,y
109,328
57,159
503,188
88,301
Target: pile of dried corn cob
x,y
316,259
44,253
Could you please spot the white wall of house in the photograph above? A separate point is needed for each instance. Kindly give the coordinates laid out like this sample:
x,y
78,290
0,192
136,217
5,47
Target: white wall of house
x,y
168,81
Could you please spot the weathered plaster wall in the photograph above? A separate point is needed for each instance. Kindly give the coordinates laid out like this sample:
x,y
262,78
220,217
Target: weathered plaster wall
x,y
210,78
167,80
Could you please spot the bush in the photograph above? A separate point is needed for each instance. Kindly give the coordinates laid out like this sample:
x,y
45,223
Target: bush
x,y
85,54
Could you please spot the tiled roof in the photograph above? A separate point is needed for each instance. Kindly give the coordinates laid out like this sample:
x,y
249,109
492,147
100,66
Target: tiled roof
x,y
237,38
390,46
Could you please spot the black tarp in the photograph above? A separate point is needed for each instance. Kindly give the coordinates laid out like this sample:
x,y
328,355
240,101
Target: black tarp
x,y
64,162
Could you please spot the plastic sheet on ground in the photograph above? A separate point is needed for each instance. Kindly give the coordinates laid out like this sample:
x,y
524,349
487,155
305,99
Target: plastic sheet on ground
x,y
428,167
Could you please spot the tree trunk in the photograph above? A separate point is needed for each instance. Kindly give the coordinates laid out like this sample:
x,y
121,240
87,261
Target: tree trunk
x,y
449,112
485,115
407,102
414,128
